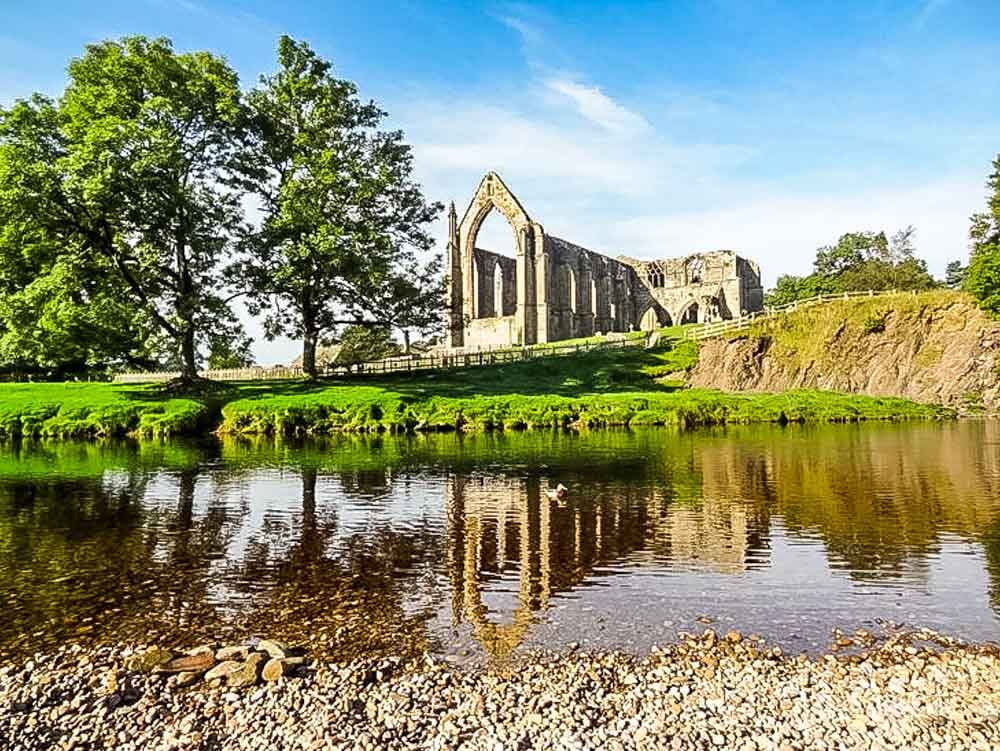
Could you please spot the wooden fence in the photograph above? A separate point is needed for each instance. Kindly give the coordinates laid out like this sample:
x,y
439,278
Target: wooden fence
x,y
721,328
496,355
436,361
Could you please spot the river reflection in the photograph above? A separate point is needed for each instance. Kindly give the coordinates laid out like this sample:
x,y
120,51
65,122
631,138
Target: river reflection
x,y
454,544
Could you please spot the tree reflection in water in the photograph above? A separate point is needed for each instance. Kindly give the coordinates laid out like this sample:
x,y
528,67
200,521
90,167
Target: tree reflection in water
x,y
392,545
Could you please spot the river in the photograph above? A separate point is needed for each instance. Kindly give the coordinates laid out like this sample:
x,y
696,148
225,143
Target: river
x,y
452,544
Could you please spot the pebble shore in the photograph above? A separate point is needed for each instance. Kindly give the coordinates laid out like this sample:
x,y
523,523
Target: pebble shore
x,y
910,691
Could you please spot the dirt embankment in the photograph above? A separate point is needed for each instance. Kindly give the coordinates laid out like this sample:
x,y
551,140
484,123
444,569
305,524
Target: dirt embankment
x,y
935,347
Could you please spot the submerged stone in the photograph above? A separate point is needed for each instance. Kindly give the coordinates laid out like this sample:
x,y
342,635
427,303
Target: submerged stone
x,y
249,672
198,663
223,670
146,662
276,667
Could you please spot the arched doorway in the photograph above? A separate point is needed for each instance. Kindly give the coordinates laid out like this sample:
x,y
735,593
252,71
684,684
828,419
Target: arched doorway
x,y
690,314
654,319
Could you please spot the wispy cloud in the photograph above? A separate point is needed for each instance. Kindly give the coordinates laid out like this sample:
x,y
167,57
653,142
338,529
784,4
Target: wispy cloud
x,y
598,107
530,34
926,10
223,17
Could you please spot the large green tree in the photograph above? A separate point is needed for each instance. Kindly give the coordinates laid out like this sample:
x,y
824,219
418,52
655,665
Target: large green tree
x,y
128,175
341,218
982,279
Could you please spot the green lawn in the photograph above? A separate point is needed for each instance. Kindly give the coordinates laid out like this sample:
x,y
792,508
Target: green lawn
x,y
615,387
97,409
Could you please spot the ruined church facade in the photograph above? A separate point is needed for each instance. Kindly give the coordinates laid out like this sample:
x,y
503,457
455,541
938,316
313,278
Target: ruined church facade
x,y
553,289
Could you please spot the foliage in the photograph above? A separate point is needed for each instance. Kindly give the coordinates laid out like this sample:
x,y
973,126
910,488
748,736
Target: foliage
x,y
59,312
790,288
874,322
859,261
982,279
63,317
954,274
342,218
365,344
229,349
409,301
128,173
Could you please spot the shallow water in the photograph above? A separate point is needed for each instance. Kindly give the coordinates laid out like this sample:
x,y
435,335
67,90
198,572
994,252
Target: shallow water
x,y
450,543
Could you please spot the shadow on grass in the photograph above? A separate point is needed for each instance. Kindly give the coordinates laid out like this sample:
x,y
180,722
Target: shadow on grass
x,y
615,371
572,375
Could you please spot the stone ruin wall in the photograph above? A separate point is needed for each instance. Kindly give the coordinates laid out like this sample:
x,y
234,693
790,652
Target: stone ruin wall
x,y
553,289
704,286
590,293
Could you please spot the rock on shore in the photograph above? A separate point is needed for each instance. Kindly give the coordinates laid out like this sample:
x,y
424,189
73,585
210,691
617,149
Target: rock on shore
x,y
912,691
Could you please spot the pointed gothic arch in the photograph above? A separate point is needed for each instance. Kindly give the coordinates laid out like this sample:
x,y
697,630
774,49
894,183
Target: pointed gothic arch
x,y
493,195
689,313
654,318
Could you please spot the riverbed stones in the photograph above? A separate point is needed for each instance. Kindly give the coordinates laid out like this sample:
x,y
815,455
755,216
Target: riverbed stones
x,y
277,667
900,693
248,673
196,663
149,659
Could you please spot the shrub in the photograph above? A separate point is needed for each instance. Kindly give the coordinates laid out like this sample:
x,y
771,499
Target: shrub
x,y
875,323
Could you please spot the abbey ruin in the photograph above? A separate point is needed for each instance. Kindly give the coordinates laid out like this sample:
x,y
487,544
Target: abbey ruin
x,y
553,289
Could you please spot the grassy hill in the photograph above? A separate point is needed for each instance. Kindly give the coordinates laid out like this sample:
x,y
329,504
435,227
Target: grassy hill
x,y
614,387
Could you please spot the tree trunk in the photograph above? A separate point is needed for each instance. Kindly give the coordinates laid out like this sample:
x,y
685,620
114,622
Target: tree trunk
x,y
189,356
406,341
309,354
185,303
310,334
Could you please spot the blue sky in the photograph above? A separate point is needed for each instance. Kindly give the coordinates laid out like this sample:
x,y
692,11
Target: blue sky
x,y
652,129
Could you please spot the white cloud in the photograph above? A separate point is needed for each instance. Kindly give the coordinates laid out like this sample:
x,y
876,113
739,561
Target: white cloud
x,y
598,107
782,232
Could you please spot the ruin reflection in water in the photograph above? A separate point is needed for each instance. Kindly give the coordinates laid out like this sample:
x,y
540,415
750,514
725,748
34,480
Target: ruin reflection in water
x,y
498,525
451,543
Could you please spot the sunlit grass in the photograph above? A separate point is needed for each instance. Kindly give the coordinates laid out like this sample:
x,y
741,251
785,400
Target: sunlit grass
x,y
599,388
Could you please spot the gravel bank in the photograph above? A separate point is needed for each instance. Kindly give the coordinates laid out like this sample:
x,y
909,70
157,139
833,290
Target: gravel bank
x,y
915,691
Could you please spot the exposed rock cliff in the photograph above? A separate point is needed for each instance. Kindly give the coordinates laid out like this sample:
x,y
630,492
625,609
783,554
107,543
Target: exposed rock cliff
x,y
934,347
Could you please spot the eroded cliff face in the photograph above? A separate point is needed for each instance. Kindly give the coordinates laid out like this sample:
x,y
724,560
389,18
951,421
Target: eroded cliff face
x,y
935,348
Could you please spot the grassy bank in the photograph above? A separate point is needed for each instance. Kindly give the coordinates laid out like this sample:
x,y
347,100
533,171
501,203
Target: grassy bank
x,y
627,387
62,410
621,387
